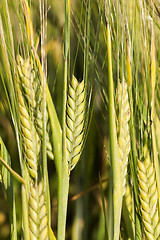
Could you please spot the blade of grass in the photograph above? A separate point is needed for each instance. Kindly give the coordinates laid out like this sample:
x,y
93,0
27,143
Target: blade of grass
x,y
153,81
8,65
56,132
8,184
25,223
14,174
43,21
9,28
114,151
63,180
133,162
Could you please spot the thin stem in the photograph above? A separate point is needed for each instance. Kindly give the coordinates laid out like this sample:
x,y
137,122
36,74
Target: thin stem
x,y
114,153
63,176
14,174
153,82
133,161
25,214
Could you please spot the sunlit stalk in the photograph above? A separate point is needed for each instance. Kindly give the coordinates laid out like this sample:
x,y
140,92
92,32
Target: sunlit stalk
x,y
63,178
114,153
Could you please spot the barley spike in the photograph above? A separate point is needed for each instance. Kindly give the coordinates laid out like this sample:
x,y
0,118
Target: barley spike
x,y
123,129
148,197
27,76
33,93
27,135
43,223
38,221
75,121
33,212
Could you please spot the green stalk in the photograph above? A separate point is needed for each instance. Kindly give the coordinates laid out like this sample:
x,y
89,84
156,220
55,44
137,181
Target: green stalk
x,y
156,163
13,109
56,132
122,43
9,29
8,185
63,177
114,152
133,162
14,174
117,42
86,47
153,82
44,77
63,189
57,146
25,214
14,225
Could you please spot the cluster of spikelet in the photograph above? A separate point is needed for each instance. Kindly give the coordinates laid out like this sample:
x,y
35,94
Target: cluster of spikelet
x,y
29,98
123,129
148,197
75,121
148,193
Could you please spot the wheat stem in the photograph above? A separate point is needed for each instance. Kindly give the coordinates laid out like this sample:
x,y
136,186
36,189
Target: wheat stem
x,y
114,150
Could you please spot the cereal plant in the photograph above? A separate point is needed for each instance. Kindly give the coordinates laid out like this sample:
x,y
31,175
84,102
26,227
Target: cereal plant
x,y
79,120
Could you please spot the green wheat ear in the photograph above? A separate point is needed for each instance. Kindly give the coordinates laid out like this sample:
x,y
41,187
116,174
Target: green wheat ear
x,y
29,136
33,93
123,129
38,221
148,197
75,121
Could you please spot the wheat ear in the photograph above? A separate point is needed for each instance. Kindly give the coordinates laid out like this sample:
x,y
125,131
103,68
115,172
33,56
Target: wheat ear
x,y
75,121
123,129
28,135
38,221
43,225
148,197
33,94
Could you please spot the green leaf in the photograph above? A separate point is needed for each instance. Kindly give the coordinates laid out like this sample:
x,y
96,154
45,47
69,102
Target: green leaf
x,y
56,131
14,174
8,184
114,150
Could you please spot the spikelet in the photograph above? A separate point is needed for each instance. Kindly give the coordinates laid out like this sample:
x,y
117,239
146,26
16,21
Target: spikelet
x,y
33,94
123,129
43,222
128,198
39,126
27,76
75,121
28,135
38,221
33,212
148,197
